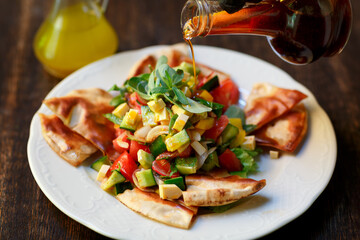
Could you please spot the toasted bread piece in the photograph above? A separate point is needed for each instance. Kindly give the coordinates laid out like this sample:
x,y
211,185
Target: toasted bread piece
x,y
68,144
267,102
286,132
152,206
205,190
82,110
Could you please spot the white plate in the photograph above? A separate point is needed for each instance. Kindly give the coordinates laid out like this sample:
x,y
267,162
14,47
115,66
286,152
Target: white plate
x,y
293,181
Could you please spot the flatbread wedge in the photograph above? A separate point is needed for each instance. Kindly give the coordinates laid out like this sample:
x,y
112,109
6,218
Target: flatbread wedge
x,y
267,102
205,190
83,110
286,132
152,206
68,144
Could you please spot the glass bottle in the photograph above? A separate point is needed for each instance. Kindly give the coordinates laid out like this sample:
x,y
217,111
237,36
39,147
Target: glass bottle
x,y
299,31
74,34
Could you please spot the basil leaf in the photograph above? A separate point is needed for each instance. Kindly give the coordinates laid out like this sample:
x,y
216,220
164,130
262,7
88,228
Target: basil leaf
x,y
112,118
180,96
195,107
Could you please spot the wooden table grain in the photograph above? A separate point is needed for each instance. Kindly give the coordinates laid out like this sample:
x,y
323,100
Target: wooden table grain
x,y
26,213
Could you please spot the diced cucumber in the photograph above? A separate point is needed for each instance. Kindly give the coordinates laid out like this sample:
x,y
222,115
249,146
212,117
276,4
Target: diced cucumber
x,y
187,67
145,178
210,162
125,123
121,187
229,133
148,116
178,181
158,146
175,142
186,165
145,159
211,84
114,178
99,162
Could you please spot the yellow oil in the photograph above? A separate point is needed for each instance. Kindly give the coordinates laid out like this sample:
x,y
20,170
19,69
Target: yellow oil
x,y
73,38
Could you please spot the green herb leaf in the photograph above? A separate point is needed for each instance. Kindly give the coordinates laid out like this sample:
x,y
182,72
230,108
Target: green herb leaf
x,y
172,122
180,96
195,107
235,112
249,127
247,160
216,107
139,85
159,90
116,101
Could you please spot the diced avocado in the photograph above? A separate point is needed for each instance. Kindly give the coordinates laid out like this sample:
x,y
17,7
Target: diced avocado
x,y
99,162
114,178
229,133
211,84
148,116
145,159
121,187
127,123
210,162
145,178
186,165
176,141
187,67
158,146
178,181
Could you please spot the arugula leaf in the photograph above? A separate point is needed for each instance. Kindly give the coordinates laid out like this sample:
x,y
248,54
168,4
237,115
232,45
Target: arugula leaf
x,y
112,118
180,96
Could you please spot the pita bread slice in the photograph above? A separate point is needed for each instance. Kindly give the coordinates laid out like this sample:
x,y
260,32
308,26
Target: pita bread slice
x,y
205,190
286,132
152,206
267,102
68,144
82,110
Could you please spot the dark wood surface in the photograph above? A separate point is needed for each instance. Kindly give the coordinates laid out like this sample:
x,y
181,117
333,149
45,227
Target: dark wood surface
x,y
26,213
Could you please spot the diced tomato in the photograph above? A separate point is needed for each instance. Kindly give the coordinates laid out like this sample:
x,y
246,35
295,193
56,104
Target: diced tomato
x,y
171,155
126,164
226,94
119,131
186,153
135,146
121,138
219,127
163,167
135,101
229,161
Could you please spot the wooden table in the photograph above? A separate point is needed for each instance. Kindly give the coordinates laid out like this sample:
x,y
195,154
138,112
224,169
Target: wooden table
x,y
26,213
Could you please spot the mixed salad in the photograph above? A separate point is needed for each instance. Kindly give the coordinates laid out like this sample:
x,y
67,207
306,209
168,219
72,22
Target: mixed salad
x,y
170,124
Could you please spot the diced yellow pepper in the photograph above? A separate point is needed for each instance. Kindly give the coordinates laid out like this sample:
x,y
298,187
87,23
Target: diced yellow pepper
x,y
163,115
169,191
133,117
156,105
187,91
120,110
249,143
240,138
180,122
178,110
206,95
205,124
236,122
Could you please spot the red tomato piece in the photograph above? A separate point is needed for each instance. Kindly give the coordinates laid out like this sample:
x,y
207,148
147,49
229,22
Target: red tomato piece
x,y
126,164
226,94
135,101
229,161
163,167
171,155
218,128
121,138
135,146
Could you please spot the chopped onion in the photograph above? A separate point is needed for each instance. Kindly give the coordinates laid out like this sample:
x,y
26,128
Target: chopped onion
x,y
157,131
201,159
158,180
211,150
142,132
136,182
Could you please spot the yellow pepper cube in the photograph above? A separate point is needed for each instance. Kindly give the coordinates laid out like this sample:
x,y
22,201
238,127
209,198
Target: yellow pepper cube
x,y
175,142
156,105
180,122
120,110
240,138
133,117
249,143
178,110
236,122
163,115
205,124
206,95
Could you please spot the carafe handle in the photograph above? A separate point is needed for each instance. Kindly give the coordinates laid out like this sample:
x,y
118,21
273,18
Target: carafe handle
x,y
103,4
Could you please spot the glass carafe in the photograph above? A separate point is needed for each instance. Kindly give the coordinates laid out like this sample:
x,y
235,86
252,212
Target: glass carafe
x,y
74,34
299,31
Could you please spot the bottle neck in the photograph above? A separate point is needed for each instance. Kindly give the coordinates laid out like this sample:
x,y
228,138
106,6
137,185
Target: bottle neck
x,y
197,17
